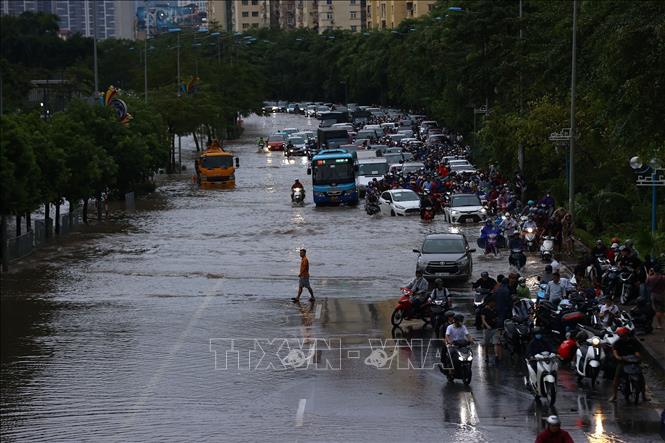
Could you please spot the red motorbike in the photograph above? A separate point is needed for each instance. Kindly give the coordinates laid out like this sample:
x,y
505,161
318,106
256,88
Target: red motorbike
x,y
407,310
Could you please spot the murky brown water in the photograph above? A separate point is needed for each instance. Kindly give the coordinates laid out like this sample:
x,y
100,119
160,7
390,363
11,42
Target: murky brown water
x,y
106,336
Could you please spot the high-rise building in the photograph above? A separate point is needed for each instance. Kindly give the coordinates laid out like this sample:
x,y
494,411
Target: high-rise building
x,y
115,18
388,14
347,15
246,14
220,13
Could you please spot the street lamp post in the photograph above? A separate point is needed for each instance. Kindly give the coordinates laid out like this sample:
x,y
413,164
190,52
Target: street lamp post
x,y
652,175
145,57
571,173
177,31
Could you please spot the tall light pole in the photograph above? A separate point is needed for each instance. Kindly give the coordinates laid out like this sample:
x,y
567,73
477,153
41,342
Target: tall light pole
x,y
571,173
145,58
520,149
94,46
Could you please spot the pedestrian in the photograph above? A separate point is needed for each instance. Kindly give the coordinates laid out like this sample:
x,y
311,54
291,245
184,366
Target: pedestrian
x,y
555,291
504,309
656,285
553,432
303,277
488,317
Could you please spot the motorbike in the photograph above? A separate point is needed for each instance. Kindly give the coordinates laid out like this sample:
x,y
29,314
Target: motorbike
x,y
631,382
547,248
610,281
438,309
298,196
371,207
456,362
517,258
602,262
406,310
588,359
627,288
558,319
529,235
427,213
517,330
542,379
642,314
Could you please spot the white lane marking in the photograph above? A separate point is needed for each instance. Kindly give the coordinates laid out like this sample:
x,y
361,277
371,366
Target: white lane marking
x,y
156,378
300,412
318,312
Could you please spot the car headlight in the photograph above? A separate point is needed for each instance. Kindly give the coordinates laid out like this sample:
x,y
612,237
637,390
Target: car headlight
x,y
454,212
469,358
399,207
460,358
463,260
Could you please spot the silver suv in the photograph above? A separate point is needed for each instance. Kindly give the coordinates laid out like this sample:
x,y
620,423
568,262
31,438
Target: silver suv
x,y
445,256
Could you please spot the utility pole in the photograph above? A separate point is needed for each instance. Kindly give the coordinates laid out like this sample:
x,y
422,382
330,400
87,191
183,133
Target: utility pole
x,y
571,173
520,151
178,63
145,58
94,46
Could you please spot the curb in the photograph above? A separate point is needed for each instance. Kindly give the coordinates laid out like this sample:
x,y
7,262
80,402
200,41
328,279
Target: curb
x,y
649,355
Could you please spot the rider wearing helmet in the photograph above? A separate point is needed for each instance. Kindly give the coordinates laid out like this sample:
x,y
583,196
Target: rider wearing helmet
x,y
538,344
440,293
553,432
296,185
624,347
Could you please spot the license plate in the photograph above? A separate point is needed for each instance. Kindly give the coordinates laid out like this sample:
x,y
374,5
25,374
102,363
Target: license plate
x,y
333,198
441,274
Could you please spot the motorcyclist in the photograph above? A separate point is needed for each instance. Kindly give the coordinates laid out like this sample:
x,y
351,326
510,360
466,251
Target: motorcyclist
x,y
418,285
522,289
599,249
548,200
624,347
538,344
426,202
608,311
530,223
487,229
289,146
553,433
296,185
440,293
508,224
484,282
260,143
457,331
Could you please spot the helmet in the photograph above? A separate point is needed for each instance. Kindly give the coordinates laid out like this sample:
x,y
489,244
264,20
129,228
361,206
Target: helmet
x,y
297,179
565,304
522,279
531,203
622,248
553,420
599,242
507,214
616,240
615,246
459,317
622,331
484,274
449,314
629,242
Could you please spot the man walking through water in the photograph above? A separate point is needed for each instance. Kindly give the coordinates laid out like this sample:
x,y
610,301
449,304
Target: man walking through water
x,y
303,277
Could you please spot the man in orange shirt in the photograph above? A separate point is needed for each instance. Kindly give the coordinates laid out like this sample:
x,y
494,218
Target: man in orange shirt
x,y
303,277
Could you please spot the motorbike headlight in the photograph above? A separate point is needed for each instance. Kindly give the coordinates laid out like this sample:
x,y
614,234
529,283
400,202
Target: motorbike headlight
x,y
595,341
460,358
469,358
483,210
529,230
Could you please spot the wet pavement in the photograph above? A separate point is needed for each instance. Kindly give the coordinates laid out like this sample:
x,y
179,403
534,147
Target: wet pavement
x,y
122,332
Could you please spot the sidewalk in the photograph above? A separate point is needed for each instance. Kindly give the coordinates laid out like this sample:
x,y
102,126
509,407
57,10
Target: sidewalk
x,y
653,350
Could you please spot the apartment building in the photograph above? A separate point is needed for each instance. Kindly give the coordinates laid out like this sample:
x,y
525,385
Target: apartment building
x,y
341,15
220,12
115,18
388,14
246,14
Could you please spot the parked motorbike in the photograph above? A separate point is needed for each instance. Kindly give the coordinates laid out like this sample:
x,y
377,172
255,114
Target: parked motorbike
x,y
542,379
642,314
627,287
631,382
610,282
298,196
588,359
547,249
456,362
406,310
517,330
558,319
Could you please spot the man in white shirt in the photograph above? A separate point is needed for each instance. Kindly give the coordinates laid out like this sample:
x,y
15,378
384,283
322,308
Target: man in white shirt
x,y
457,331
608,311
555,291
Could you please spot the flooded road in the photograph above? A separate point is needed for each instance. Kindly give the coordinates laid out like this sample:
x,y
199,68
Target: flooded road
x,y
122,332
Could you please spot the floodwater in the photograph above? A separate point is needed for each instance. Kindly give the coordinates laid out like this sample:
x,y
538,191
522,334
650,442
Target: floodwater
x,y
123,332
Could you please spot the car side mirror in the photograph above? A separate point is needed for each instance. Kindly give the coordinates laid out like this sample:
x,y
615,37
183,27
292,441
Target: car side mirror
x,y
416,251
237,162
472,250
309,171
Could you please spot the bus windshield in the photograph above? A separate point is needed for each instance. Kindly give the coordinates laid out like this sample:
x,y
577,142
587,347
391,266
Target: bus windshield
x,y
332,170
372,169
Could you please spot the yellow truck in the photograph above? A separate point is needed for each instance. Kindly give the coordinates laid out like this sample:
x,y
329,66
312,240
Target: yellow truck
x,y
215,167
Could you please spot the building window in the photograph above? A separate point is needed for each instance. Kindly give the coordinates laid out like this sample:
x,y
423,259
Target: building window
x,y
245,2
354,28
255,2
430,7
245,26
255,13
329,15
352,2
353,14
245,14
329,2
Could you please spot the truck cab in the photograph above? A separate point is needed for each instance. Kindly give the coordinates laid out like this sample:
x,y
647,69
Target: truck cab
x,y
215,167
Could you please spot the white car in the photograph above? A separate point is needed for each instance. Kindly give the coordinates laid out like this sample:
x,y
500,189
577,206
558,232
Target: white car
x,y
463,169
399,202
463,208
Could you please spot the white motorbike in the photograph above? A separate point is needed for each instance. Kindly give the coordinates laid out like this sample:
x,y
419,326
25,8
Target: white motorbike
x,y
588,358
298,196
542,380
529,235
547,248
